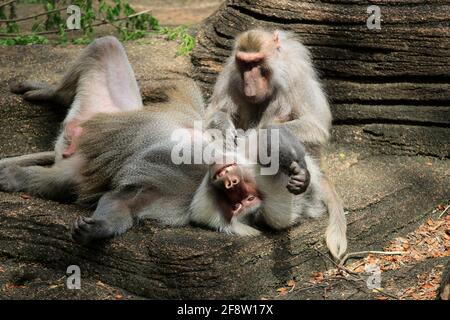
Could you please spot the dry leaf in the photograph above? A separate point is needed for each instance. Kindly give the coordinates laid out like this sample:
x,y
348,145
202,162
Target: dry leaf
x,y
10,286
282,291
101,284
427,286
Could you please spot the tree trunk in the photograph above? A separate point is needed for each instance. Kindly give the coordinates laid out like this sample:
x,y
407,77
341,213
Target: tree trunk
x,y
389,88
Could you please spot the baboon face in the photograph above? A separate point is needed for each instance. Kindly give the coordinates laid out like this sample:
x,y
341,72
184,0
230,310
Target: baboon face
x,y
236,191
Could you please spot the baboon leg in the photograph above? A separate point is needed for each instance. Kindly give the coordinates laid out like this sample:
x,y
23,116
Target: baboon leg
x,y
56,182
35,159
106,79
99,79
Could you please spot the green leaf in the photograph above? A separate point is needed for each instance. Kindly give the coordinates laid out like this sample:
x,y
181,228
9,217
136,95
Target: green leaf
x,y
24,40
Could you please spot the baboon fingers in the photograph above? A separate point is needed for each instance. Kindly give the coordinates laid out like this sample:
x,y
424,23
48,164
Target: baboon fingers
x,y
38,95
25,86
299,179
85,230
294,168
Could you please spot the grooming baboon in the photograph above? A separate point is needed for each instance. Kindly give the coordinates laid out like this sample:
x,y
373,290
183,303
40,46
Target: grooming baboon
x,y
269,80
115,154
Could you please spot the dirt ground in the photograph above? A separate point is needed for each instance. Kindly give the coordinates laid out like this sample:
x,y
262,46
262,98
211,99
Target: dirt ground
x,y
178,12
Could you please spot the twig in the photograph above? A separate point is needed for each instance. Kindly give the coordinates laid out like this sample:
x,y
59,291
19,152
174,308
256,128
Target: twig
x,y
12,35
6,3
393,296
33,16
356,276
109,22
340,267
136,14
319,285
443,212
105,21
292,288
363,253
102,22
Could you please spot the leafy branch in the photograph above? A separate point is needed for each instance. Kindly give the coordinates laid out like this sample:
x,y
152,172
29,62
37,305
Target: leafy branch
x,y
32,16
129,24
187,42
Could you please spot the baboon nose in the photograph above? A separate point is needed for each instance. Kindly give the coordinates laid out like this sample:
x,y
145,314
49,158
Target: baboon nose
x,y
230,183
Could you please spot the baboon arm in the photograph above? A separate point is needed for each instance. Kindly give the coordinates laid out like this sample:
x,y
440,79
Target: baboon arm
x,y
113,216
219,120
309,131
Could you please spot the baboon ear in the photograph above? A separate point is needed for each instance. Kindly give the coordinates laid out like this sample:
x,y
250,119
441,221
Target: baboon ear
x,y
276,39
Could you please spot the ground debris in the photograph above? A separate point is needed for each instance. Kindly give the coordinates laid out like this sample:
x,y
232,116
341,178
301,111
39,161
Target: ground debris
x,y
430,240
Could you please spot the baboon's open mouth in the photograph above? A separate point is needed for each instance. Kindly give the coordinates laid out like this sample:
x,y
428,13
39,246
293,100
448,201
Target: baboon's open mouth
x,y
237,194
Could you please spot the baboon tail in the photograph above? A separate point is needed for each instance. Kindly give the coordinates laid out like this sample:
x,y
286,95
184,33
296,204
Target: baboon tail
x,y
336,234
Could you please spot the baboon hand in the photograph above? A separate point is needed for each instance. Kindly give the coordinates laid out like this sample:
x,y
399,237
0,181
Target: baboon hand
x,y
298,179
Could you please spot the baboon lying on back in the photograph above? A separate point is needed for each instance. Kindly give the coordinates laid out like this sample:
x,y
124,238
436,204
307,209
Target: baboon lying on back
x,y
113,153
